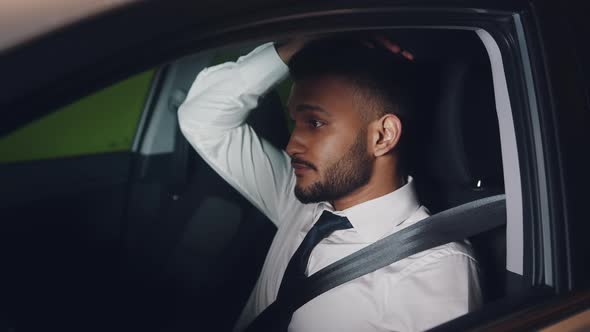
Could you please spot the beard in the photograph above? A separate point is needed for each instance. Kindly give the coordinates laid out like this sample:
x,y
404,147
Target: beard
x,y
349,173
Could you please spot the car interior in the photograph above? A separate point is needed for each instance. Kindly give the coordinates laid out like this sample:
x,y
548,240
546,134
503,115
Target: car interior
x,y
187,248
458,160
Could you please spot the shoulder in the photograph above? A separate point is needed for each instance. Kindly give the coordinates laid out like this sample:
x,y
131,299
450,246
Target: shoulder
x,y
441,265
458,254
451,257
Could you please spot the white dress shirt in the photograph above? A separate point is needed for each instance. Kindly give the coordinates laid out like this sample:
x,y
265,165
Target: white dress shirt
x,y
413,294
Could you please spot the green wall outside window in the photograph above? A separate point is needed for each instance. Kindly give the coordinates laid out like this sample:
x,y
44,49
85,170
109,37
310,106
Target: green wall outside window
x,y
105,121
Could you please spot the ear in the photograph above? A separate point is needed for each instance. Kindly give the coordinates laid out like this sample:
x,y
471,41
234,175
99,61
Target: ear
x,y
386,132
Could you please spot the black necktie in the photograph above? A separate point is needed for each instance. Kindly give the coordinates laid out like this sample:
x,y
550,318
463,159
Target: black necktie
x,y
295,272
277,317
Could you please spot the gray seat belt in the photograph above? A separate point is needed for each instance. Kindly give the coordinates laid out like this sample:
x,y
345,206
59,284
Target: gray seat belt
x,y
451,225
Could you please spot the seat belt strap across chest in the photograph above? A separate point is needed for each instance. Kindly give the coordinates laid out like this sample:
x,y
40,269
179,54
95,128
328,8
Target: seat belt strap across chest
x,y
451,225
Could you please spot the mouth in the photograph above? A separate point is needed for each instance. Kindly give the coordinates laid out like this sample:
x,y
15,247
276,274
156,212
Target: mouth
x,y
300,167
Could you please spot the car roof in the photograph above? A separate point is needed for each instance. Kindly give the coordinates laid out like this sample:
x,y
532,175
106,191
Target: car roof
x,y
61,65
24,20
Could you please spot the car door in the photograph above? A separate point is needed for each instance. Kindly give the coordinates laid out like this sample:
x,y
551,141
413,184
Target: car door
x,y
65,183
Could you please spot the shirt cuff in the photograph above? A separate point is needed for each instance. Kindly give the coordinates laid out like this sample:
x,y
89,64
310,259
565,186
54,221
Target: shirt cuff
x,y
262,68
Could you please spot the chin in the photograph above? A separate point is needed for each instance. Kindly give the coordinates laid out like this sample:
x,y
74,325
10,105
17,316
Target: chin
x,y
311,193
302,194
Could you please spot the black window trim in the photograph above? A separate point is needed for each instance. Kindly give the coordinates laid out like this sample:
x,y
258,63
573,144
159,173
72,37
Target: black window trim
x,y
535,136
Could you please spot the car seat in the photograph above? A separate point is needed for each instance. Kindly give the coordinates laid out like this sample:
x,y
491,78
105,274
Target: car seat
x,y
218,239
463,162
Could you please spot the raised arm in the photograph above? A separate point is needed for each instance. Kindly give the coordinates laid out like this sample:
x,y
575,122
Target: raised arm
x,y
213,120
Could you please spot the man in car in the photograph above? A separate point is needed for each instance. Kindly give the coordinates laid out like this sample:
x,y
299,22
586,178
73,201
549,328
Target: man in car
x,y
340,185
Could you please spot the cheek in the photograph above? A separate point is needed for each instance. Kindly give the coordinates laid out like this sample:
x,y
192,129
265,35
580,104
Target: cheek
x,y
329,148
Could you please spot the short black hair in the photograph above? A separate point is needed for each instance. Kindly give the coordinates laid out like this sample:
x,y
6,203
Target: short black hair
x,y
384,79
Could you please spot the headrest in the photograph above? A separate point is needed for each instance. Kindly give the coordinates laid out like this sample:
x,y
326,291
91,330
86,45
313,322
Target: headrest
x,y
464,154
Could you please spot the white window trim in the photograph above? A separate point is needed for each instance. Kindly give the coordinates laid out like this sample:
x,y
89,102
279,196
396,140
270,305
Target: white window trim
x,y
510,161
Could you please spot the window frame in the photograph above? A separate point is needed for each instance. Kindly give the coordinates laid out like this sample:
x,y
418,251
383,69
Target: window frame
x,y
512,26
502,26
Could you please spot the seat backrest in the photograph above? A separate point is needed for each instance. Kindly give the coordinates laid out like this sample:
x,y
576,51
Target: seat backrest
x,y
463,162
213,262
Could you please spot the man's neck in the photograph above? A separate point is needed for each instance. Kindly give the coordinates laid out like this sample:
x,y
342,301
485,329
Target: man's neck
x,y
376,187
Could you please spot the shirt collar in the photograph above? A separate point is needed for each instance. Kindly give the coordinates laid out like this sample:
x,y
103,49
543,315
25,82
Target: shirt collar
x,y
381,216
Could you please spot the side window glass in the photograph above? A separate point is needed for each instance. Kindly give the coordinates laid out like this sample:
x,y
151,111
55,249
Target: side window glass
x,y
105,121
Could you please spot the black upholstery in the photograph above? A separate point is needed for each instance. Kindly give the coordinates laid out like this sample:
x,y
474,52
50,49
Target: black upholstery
x,y
221,239
463,157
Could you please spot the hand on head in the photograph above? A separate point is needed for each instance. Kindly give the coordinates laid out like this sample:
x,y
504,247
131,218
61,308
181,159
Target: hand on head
x,y
287,49
386,43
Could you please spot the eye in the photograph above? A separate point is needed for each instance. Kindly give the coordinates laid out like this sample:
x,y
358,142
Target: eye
x,y
315,123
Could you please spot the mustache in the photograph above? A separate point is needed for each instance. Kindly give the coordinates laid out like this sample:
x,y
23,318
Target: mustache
x,y
295,160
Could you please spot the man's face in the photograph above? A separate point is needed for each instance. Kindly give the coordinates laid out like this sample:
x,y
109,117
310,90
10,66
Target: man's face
x,y
328,146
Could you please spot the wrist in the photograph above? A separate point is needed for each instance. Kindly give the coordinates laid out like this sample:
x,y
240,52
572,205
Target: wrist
x,y
284,52
288,49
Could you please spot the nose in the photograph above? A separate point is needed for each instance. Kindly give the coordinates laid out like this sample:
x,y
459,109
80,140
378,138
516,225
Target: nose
x,y
295,145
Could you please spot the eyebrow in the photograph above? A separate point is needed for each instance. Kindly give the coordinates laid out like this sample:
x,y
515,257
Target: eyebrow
x,y
310,108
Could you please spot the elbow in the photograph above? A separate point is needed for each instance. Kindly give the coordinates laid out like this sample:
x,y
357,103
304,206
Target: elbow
x,y
194,124
181,113
187,123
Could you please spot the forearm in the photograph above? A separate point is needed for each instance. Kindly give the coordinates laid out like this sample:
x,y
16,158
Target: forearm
x,y
222,96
